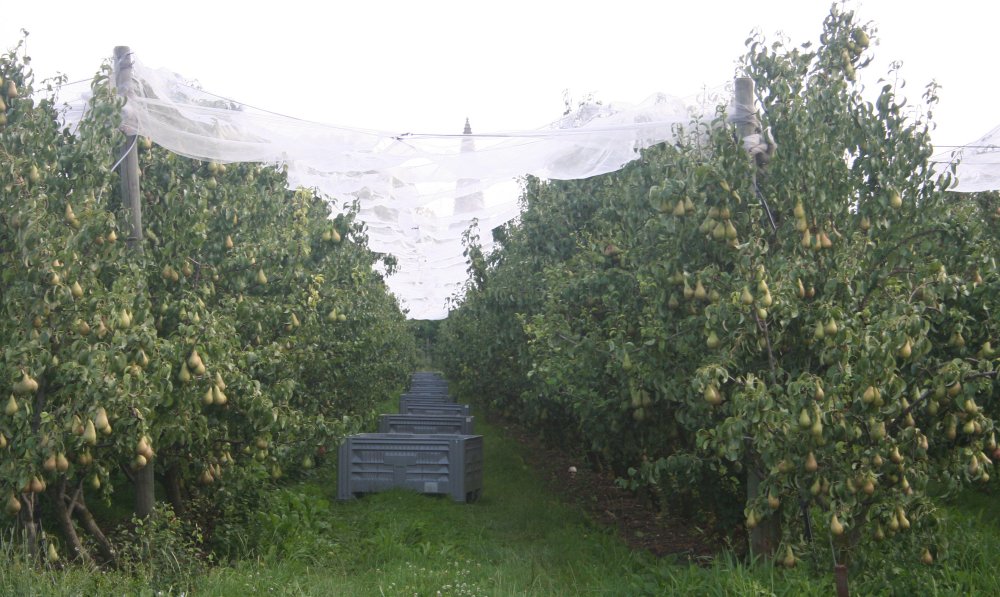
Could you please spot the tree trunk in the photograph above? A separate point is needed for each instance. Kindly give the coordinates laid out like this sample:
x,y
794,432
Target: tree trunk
x,y
172,484
145,498
28,522
764,538
90,525
63,517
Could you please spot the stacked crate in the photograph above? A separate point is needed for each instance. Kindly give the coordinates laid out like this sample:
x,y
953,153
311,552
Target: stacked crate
x,y
428,447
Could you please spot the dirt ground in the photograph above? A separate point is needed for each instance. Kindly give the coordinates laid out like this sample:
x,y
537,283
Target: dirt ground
x,y
637,521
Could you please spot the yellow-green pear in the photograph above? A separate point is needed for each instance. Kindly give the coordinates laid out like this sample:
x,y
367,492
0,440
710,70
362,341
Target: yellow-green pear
x,y
90,434
101,420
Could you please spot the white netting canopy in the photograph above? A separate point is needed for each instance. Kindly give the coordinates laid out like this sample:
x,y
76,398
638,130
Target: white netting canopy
x,y
417,192
978,164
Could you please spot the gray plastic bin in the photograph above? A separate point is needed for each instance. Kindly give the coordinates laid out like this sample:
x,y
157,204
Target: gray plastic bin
x,y
434,464
425,407
426,424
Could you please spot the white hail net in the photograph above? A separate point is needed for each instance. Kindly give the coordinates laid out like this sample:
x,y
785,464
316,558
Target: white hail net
x,y
417,193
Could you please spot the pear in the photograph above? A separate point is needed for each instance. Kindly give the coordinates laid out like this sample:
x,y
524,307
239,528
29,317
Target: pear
x,y
90,434
125,318
295,321
142,447
835,526
699,291
904,523
101,420
817,428
13,505
95,482
894,455
3,441
36,485
53,555
209,397
954,389
752,519
773,501
789,559
194,360
76,290
112,237
895,201
332,315
49,465
819,393
688,291
811,465
926,557
824,240
713,340
719,232
906,349
801,225
229,242
139,461
218,381
730,230
869,396
831,328
868,487
746,298
217,396
185,374
12,407
62,463
261,278
27,385
766,300
335,236
806,239
799,211
712,395
801,289
804,421
819,332
70,216
679,208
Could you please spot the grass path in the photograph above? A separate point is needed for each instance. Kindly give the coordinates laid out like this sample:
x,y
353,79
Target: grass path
x,y
518,539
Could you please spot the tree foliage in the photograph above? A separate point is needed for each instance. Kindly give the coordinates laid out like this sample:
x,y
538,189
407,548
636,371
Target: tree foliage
x,y
810,340
248,336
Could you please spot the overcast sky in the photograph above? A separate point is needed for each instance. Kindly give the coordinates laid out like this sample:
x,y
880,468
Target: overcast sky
x,y
426,65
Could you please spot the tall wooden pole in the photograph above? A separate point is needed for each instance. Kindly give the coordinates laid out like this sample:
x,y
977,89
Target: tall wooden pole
x,y
128,171
765,536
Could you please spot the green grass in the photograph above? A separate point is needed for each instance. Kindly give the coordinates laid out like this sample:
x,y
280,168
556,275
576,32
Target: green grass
x,y
519,539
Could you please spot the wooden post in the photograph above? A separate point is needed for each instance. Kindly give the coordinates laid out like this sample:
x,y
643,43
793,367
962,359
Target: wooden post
x,y
128,170
765,536
744,97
